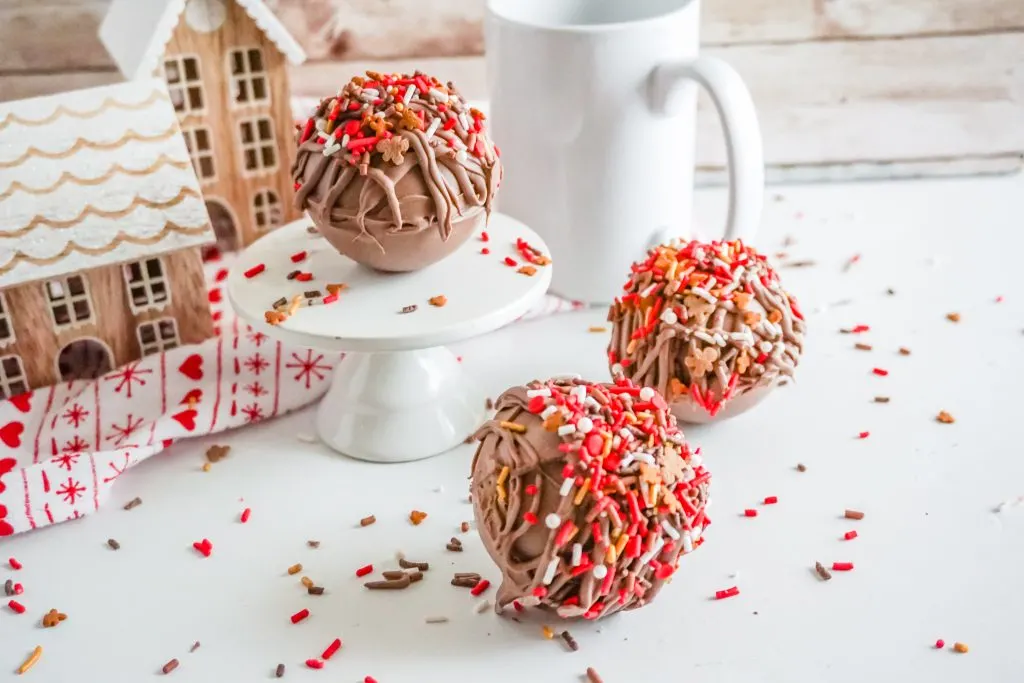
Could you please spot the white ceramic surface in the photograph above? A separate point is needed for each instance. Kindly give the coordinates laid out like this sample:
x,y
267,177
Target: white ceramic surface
x,y
594,104
398,394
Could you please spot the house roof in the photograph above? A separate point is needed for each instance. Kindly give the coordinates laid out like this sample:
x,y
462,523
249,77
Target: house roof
x,y
136,32
92,178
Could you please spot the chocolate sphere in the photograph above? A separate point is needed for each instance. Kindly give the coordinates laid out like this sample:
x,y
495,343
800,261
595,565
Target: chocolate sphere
x,y
586,496
396,171
708,325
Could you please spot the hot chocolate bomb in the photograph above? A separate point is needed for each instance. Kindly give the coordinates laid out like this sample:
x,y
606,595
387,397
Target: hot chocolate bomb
x,y
708,325
586,496
396,171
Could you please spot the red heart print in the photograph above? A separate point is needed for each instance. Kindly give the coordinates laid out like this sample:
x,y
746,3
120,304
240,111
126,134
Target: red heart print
x,y
22,402
187,419
215,295
194,396
10,434
193,367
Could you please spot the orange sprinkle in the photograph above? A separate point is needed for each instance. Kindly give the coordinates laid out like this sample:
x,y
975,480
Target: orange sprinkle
x,y
307,582
960,647
597,329
945,418
513,427
548,633
38,652
582,492
294,569
953,317
416,517
439,300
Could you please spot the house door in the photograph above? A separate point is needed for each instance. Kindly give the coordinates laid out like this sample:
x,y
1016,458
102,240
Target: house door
x,y
224,228
84,359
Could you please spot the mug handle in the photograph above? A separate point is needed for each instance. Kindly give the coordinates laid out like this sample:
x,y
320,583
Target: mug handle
x,y
742,133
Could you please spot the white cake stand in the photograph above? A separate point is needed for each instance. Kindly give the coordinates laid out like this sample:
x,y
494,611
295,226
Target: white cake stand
x,y
398,394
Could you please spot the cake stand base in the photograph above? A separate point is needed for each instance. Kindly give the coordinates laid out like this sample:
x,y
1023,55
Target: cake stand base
x,y
399,406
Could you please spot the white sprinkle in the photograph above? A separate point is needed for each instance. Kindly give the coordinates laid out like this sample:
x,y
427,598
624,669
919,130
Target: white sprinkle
x,y
577,554
765,346
432,128
549,573
626,462
696,460
372,92
320,124
482,606
649,290
653,552
549,411
331,149
644,457
569,376
579,392
584,425
704,294
533,393
566,486
438,95
552,521
410,92
464,120
670,530
461,156
704,336
719,339
566,429
646,394
626,434
305,437
669,317
617,370
591,401
600,571
437,620
687,542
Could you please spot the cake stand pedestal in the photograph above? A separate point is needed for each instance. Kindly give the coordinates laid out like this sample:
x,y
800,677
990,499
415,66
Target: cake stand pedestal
x,y
398,394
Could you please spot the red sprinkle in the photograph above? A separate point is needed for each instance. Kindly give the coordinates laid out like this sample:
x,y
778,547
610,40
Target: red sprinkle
x,y
255,270
314,664
509,261
363,571
727,593
204,547
529,518
860,328
331,649
304,277
245,515
850,535
14,563
939,644
880,372
484,237
999,299
480,587
330,298
300,615
771,500
842,566
18,589
369,679
863,435
298,256
485,251
750,512
16,606
531,489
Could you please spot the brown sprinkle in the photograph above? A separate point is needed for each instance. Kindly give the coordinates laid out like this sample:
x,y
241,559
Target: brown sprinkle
x,y
464,527
570,641
465,582
195,646
467,575
853,514
513,427
953,317
312,294
279,303
396,584
217,453
8,587
367,521
133,503
409,309
114,545
437,620
454,548
415,576
313,544
862,347
409,564
417,516
824,573
455,541
945,418
881,399
799,264
489,403
279,671
593,676
890,291
315,590
292,275
312,230
170,666
527,270
439,300
52,618
904,351
801,467
294,569
307,582
393,574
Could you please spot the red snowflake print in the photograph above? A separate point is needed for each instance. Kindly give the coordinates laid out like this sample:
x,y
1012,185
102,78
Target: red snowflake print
x,y
75,415
66,460
256,338
70,491
253,412
256,363
121,434
76,445
308,367
256,389
118,471
128,374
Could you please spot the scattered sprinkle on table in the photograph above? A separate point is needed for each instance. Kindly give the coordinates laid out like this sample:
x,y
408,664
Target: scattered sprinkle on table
x,y
482,606
390,584
369,679
529,271
953,317
331,649
484,237
417,517
842,566
800,467
294,569
313,663
204,547
593,676
409,564
597,329
570,641
437,620
464,527
862,347
454,545
133,503
904,351
216,453
16,607
439,300
279,671
246,513
881,372
881,399
8,587
363,571
939,644
485,251
367,521
195,646
727,593
771,500
863,435
850,535
299,616
205,467
853,514
170,666
409,309
480,587
824,573
944,417
313,544
14,564
750,512
315,590
52,618
510,262
849,263
548,633
32,659
960,647
298,257
255,270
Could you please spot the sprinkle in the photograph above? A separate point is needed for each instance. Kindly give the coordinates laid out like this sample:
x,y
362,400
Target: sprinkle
x,y
314,663
549,573
853,514
133,503
881,399
315,590
960,647
279,671
203,547
863,435
862,347
369,679
439,300
600,571
852,260
246,513
464,527
170,666
417,517
205,467
800,467
771,500
750,512
436,620
850,535
669,529
485,251
565,430
292,275
307,582
482,606
880,372
570,641
529,271
298,257
548,633
409,309
727,593
294,569
8,587
824,573
313,544
552,520
409,564
363,571
953,317
331,649
367,521
52,618
18,589
510,262
255,270
32,659
904,351
16,607
593,676
480,587
195,646
842,566
513,427
944,417
299,616
391,584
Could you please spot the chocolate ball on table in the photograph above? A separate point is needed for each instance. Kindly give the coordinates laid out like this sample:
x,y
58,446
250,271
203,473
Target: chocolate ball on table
x,y
396,171
586,496
708,325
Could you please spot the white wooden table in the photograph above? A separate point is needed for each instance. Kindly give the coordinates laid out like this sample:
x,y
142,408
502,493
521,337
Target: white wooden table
x,y
933,558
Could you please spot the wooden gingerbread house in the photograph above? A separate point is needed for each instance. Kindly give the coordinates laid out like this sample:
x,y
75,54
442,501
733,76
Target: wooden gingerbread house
x,y
101,225
224,63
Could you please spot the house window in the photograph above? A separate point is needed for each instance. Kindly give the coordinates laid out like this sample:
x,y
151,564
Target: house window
x,y
147,285
184,84
259,151
200,150
6,328
158,335
266,210
248,76
69,300
12,377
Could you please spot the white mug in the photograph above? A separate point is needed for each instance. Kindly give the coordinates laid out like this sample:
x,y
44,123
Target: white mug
x,y
593,104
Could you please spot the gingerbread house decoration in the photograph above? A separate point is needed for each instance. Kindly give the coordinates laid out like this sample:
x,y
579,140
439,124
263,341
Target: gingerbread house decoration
x,y
225,66
101,225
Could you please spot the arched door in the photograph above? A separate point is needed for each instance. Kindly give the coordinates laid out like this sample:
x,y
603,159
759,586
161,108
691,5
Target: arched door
x,y
223,226
84,358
